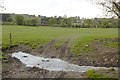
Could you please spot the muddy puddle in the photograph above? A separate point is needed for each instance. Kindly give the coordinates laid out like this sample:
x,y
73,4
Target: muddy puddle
x,y
51,64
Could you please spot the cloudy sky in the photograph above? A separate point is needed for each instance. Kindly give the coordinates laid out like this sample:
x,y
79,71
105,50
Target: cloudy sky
x,y
82,8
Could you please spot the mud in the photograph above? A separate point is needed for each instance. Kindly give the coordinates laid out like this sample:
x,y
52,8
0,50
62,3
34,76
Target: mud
x,y
15,69
101,56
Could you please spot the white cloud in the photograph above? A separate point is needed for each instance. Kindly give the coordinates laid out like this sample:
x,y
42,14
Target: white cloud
x,y
80,8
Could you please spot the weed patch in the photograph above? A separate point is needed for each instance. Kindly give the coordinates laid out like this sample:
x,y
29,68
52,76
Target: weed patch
x,y
92,74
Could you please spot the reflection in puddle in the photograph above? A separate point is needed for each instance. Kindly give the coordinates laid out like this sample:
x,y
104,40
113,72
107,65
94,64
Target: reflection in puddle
x,y
51,64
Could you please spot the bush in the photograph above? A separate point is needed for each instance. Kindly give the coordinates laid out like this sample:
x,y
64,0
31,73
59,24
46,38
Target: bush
x,y
8,23
31,22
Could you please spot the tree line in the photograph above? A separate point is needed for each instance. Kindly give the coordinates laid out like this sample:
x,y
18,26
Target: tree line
x,y
75,22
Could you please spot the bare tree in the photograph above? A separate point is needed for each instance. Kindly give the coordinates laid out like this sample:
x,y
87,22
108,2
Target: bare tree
x,y
2,7
110,6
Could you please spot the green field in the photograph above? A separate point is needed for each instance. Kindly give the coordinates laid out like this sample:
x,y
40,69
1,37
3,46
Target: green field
x,y
37,36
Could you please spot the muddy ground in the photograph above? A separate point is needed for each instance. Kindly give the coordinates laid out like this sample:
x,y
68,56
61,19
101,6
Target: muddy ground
x,y
101,56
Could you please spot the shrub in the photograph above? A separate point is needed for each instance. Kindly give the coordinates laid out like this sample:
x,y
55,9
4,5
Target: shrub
x,y
8,23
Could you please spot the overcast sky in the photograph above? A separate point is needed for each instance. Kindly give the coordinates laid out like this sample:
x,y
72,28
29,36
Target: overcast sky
x,y
81,8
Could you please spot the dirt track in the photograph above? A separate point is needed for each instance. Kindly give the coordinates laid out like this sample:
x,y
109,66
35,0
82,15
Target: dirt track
x,y
102,56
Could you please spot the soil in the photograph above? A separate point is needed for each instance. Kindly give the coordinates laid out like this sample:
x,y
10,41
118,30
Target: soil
x,y
101,56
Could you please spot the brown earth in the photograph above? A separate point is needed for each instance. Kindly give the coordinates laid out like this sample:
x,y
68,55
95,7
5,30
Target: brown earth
x,y
14,69
101,56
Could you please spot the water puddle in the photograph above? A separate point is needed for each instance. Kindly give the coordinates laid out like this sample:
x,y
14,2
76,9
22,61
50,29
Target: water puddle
x,y
51,64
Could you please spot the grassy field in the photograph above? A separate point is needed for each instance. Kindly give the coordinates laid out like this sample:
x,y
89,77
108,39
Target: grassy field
x,y
36,36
